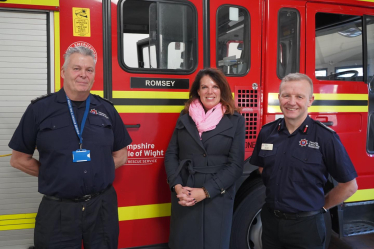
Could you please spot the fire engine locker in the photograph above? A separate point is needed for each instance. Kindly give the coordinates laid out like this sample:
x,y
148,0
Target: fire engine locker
x,y
24,75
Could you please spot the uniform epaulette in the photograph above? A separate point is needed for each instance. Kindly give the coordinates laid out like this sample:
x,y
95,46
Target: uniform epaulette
x,y
107,100
324,126
40,97
272,122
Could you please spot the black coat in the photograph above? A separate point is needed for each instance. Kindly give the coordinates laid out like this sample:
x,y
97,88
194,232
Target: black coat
x,y
215,162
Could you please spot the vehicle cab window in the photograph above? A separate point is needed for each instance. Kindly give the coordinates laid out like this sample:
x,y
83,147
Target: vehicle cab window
x,y
339,51
288,42
157,36
233,40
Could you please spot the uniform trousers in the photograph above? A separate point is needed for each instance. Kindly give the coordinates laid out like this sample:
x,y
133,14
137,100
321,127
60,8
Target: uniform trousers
x,y
65,224
300,233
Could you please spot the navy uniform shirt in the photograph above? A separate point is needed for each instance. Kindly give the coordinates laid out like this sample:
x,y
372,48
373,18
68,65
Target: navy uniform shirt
x,y
47,126
296,166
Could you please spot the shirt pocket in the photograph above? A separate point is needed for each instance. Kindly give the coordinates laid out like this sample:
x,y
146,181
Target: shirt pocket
x,y
100,121
99,131
54,134
268,161
54,124
307,167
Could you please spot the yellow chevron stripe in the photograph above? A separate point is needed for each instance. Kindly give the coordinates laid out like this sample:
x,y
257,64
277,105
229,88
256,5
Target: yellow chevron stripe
x,y
149,109
144,212
149,95
276,109
362,195
56,17
329,96
17,221
326,96
35,2
16,216
372,1
27,221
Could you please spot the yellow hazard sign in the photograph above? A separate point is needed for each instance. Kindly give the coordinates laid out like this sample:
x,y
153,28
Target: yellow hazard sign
x,y
81,22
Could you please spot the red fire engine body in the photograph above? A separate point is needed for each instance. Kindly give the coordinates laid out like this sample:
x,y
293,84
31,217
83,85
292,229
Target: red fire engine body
x,y
148,53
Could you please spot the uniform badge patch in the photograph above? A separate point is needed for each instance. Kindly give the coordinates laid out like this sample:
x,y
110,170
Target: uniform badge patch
x,y
303,142
313,145
95,112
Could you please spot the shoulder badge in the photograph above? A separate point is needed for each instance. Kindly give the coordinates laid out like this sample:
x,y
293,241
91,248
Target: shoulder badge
x,y
324,126
107,100
40,97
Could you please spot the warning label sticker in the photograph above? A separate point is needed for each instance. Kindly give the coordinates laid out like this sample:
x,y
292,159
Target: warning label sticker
x,y
81,22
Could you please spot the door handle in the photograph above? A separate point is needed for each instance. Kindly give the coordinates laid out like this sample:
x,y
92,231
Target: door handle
x,y
132,125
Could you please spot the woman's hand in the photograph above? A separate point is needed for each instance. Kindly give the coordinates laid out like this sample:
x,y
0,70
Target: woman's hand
x,y
184,196
197,193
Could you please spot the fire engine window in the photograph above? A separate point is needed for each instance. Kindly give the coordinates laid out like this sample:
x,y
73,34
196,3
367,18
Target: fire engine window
x,y
369,23
158,36
370,142
233,40
339,46
288,42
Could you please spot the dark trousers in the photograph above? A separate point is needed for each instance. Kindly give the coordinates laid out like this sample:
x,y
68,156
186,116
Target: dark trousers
x,y
66,224
301,233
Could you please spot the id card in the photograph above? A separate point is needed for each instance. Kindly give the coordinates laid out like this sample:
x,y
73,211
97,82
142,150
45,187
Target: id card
x,y
81,156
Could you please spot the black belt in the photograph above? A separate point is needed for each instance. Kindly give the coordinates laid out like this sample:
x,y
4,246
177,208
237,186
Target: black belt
x,y
293,216
79,199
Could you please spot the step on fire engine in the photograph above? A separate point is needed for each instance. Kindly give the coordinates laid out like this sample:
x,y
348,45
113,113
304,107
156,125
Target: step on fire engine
x,y
149,52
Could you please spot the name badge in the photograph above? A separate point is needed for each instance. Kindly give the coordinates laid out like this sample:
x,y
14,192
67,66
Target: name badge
x,y
81,156
266,146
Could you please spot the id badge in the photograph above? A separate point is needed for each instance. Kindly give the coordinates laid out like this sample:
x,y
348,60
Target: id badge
x,y
266,146
81,156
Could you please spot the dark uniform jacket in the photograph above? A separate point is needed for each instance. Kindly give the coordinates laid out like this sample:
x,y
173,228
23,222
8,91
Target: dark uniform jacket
x,y
296,166
47,126
215,162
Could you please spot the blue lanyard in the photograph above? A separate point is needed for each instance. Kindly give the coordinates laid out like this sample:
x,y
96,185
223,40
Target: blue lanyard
x,y
79,133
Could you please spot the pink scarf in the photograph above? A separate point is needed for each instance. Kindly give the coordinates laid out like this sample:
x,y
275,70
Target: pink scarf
x,y
205,121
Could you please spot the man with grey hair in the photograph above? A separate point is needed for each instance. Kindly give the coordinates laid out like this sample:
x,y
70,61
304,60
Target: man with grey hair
x,y
81,140
295,154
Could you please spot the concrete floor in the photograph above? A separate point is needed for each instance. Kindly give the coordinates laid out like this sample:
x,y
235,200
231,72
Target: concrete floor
x,y
365,241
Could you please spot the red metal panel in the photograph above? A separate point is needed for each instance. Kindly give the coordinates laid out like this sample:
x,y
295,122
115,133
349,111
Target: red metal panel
x,y
96,38
144,232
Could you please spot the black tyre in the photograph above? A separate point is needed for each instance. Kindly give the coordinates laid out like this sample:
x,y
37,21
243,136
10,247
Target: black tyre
x,y
247,227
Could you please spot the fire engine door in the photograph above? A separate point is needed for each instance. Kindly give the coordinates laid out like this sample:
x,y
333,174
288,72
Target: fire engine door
x,y
156,51
235,47
337,62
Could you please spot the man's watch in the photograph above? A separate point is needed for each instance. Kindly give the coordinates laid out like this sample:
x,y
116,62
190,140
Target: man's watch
x,y
324,210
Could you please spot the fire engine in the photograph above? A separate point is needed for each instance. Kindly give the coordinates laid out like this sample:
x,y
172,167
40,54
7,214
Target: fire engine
x,y
148,53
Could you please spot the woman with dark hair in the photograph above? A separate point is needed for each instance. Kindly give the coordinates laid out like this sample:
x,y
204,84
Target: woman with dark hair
x,y
204,158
